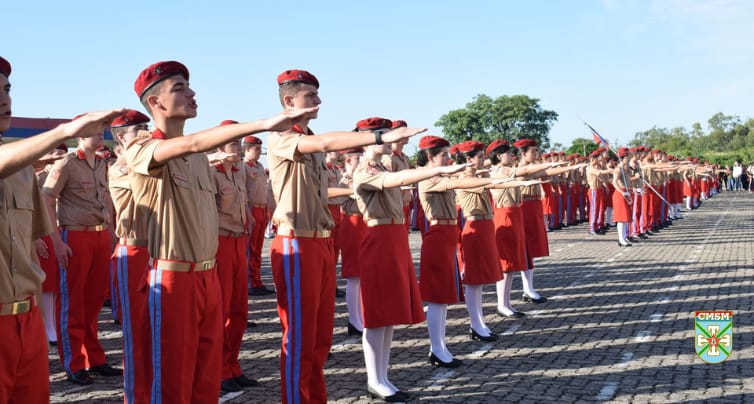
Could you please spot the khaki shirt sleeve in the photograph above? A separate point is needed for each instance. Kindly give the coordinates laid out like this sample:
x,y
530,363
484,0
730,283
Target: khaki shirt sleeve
x,y
41,225
284,145
369,179
57,179
435,184
139,155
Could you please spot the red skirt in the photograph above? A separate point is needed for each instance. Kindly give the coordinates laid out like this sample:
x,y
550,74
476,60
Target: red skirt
x,y
534,225
351,233
50,267
439,277
480,265
621,208
389,292
510,238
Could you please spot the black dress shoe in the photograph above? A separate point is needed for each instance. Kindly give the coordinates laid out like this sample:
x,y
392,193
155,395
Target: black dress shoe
x,y
106,370
339,293
261,291
352,330
244,381
516,314
251,324
434,360
81,378
229,386
489,338
624,245
643,236
397,397
530,299
53,344
633,239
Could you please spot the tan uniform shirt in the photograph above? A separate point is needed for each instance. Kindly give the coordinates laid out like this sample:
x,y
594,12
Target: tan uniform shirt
x,y
474,201
23,219
256,183
127,224
177,201
230,197
375,201
299,184
398,162
438,201
82,190
507,197
349,206
532,192
333,181
593,178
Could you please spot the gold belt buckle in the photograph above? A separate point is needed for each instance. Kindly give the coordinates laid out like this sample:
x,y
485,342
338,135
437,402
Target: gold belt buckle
x,y
20,307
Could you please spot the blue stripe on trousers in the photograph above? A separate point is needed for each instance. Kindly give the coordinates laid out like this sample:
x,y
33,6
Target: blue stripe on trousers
x,y
125,304
155,317
64,308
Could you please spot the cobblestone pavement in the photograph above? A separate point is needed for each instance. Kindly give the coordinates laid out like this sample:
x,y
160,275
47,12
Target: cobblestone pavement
x,y
618,327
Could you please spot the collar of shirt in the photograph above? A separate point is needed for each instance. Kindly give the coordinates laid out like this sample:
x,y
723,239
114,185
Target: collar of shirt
x,y
298,129
158,134
221,168
82,156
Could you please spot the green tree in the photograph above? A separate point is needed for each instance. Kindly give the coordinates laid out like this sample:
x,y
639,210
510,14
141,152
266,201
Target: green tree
x,y
582,146
505,117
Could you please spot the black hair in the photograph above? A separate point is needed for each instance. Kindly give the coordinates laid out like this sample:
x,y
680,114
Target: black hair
x,y
496,152
423,158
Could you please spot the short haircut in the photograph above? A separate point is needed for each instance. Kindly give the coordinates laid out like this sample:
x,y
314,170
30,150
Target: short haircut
x,y
290,89
150,92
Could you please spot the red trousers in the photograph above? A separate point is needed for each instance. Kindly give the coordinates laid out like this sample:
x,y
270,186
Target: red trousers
x,y
24,371
185,316
596,207
83,286
231,271
132,266
304,274
256,242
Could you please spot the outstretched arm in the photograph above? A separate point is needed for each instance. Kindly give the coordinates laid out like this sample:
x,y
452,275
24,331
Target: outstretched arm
x,y
335,141
22,153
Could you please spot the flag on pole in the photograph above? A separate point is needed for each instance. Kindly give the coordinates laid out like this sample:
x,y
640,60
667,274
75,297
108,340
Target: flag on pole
x,y
597,137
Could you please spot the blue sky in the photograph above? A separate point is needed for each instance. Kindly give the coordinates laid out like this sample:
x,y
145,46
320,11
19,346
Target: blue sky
x,y
623,66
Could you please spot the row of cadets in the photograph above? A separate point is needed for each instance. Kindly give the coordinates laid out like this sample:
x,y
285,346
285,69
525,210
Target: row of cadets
x,y
478,267
302,250
78,200
439,273
257,192
389,291
131,263
171,183
536,232
23,218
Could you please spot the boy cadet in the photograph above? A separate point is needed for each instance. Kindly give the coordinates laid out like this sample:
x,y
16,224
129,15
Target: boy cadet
x,y
256,191
24,374
230,196
77,184
171,183
302,251
130,259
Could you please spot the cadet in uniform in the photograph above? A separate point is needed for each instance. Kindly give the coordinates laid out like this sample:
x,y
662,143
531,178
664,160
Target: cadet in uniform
x,y
78,183
256,194
130,260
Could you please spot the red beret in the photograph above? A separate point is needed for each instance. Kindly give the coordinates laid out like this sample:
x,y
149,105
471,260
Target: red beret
x,y
657,151
523,143
495,144
560,153
453,149
600,150
4,67
62,147
373,123
228,122
398,123
430,142
470,146
623,152
156,73
248,140
546,155
297,76
131,117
